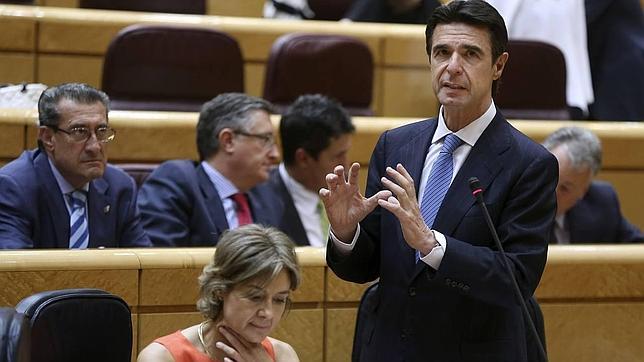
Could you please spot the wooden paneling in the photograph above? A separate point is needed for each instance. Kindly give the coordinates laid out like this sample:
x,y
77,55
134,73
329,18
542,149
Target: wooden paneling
x,y
254,74
248,8
155,325
17,67
303,329
339,337
413,95
57,69
339,290
17,33
12,139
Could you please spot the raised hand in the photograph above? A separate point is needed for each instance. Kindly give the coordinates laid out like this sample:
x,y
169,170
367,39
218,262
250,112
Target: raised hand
x,y
241,350
345,206
404,205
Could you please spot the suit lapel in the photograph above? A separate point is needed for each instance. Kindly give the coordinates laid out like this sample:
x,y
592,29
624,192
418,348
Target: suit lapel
x,y
99,212
55,204
212,201
482,162
290,222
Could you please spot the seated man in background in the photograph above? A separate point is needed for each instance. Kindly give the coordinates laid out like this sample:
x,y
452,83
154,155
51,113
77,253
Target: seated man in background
x,y
316,136
186,203
587,211
64,194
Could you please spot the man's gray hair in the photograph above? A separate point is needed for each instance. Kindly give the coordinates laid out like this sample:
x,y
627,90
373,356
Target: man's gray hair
x,y
582,145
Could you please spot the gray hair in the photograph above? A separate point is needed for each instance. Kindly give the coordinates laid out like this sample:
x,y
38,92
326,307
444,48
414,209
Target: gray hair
x,y
227,110
583,146
48,114
244,254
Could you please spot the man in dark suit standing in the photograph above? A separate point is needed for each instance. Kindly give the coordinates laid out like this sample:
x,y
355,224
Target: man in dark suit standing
x,y
186,203
64,194
587,211
444,294
316,136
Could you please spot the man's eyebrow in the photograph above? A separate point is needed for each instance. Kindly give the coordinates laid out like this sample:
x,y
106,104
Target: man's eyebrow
x,y
439,47
473,47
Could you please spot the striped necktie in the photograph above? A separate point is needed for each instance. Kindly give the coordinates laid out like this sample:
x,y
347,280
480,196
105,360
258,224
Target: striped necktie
x,y
438,182
78,230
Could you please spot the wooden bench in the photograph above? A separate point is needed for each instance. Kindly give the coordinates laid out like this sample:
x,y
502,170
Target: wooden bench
x,y
592,296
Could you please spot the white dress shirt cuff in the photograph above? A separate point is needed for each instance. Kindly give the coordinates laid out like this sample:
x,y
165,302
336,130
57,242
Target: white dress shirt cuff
x,y
435,256
344,248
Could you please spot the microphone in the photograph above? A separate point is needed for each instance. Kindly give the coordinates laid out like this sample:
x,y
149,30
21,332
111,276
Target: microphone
x,y
477,192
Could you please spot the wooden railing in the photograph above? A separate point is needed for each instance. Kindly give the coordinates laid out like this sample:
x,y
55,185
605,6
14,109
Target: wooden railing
x,y
592,296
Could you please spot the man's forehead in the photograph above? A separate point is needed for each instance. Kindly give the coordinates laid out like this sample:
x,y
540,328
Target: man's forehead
x,y
469,34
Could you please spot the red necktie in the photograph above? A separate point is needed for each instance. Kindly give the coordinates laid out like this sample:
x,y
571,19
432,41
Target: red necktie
x,y
243,210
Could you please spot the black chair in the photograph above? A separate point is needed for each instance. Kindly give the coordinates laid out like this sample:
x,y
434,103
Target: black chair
x,y
334,65
78,325
533,84
138,171
15,336
158,6
170,68
364,324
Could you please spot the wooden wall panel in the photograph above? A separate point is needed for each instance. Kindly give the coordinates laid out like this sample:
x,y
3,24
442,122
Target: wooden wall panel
x,y
339,290
56,69
17,34
413,94
254,75
248,8
17,67
12,139
155,325
340,329
594,332
303,329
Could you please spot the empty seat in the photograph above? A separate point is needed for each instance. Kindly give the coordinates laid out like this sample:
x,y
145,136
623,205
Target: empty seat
x,y
14,336
170,68
158,6
533,84
334,65
78,325
138,171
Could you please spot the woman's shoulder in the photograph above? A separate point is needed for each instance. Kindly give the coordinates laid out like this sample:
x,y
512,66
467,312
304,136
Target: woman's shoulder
x,y
283,351
154,352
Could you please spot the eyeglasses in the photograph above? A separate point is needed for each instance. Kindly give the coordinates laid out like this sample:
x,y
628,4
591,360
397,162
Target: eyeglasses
x,y
104,134
266,139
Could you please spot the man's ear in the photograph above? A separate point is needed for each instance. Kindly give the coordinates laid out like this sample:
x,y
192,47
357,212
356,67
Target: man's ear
x,y
226,140
302,158
499,65
46,137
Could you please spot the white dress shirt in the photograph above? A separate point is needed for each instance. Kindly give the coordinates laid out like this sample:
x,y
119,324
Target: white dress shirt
x,y
469,134
66,188
306,204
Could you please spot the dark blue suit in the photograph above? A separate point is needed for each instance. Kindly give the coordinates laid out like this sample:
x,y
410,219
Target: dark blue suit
x,y
181,207
597,218
465,311
284,209
33,212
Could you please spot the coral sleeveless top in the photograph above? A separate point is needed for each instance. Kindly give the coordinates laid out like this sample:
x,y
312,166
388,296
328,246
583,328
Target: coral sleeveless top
x,y
183,351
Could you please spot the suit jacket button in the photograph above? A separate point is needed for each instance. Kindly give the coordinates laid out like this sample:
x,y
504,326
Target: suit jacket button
x,y
412,292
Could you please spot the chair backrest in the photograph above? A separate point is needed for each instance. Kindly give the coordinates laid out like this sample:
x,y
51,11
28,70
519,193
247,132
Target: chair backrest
x,y
157,6
78,325
329,9
170,68
15,336
138,171
364,325
334,65
533,84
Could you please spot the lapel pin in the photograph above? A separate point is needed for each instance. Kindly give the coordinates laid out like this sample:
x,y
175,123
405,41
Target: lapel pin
x,y
106,209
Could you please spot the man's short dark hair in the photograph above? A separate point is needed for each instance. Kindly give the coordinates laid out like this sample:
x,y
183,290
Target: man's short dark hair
x,y
48,114
227,110
471,12
310,123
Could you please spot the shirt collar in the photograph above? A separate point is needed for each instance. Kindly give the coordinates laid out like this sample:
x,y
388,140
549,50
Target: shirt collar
x,y
224,187
297,190
64,186
470,133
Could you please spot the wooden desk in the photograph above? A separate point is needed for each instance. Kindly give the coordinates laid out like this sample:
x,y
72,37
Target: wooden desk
x,y
592,296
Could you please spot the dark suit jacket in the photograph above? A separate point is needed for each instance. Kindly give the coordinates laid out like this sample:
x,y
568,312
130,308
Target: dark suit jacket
x,y
466,310
284,208
597,218
33,212
181,207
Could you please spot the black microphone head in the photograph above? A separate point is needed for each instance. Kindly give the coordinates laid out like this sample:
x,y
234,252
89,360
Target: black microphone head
x,y
475,184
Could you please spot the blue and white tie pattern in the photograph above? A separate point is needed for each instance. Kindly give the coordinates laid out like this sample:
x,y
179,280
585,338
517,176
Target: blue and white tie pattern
x,y
439,180
78,230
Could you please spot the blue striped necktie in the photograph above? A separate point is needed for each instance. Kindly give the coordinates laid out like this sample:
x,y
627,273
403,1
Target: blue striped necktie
x,y
439,180
78,230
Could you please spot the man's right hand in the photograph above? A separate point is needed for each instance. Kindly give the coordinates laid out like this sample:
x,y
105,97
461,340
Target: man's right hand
x,y
345,206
